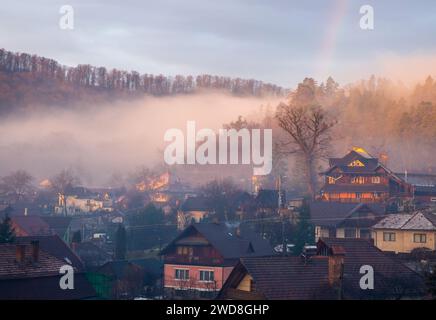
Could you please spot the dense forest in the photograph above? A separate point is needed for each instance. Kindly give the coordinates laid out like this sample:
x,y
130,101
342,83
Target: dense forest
x,y
28,80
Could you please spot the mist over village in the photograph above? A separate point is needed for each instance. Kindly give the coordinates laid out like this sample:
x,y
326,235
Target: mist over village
x,y
272,171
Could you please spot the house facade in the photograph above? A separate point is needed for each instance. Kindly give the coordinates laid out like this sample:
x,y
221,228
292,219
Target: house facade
x,y
402,233
360,177
345,220
201,258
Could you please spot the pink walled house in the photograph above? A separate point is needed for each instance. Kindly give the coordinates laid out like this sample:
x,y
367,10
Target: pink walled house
x,y
200,259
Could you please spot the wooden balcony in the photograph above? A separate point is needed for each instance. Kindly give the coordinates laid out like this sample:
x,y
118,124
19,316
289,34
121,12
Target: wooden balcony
x,y
194,260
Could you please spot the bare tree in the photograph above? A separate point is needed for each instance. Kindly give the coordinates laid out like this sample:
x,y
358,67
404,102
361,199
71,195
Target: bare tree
x,y
62,183
17,184
308,129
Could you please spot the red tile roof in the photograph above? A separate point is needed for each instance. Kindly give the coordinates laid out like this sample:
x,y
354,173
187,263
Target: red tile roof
x,y
47,264
30,225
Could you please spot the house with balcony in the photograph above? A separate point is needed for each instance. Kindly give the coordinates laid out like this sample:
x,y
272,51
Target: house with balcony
x,y
360,177
199,260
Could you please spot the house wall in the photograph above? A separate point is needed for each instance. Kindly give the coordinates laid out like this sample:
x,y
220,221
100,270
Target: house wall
x,y
403,240
245,284
321,232
220,276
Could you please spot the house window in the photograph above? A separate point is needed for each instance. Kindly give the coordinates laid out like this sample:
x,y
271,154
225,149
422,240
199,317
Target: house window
x,y
185,251
350,233
375,180
356,163
358,180
331,180
419,237
181,274
206,275
388,236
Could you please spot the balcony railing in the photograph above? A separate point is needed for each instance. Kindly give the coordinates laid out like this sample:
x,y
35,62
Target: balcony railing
x,y
186,259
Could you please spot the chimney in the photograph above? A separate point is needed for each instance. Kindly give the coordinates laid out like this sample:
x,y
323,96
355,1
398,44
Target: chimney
x,y
35,251
20,253
336,265
238,232
383,158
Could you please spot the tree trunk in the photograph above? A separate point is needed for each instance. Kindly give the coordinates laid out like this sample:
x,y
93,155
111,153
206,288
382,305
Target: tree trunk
x,y
311,176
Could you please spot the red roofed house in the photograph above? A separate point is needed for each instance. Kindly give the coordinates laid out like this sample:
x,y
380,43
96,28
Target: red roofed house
x,y
30,226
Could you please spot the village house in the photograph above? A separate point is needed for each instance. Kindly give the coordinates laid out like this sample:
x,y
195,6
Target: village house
x,y
333,273
55,246
279,278
424,188
345,220
200,259
359,177
25,225
29,272
193,209
404,232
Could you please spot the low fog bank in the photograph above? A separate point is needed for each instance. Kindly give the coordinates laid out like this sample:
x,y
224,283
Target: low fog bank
x,y
98,141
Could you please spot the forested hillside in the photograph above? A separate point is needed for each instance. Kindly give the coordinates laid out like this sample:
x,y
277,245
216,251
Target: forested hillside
x,y
28,80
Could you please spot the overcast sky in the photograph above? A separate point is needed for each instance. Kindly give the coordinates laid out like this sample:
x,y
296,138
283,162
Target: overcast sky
x,y
275,41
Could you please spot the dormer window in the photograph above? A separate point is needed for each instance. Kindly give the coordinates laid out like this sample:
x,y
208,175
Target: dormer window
x,y
356,163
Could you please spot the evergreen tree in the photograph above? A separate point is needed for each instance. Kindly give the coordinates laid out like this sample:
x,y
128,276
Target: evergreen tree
x,y
120,243
431,282
77,237
304,229
7,233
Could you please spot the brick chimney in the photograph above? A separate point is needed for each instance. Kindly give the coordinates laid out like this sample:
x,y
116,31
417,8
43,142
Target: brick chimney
x,y
35,251
20,253
336,265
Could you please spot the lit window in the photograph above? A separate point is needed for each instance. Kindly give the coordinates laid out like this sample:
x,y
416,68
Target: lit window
x,y
375,179
331,180
358,180
420,238
356,163
388,236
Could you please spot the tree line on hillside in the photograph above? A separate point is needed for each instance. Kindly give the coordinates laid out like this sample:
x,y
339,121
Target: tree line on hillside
x,y
33,73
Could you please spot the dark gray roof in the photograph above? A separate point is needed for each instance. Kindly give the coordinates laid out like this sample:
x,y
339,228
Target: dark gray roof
x,y
196,204
332,214
285,278
58,224
391,277
224,238
425,191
